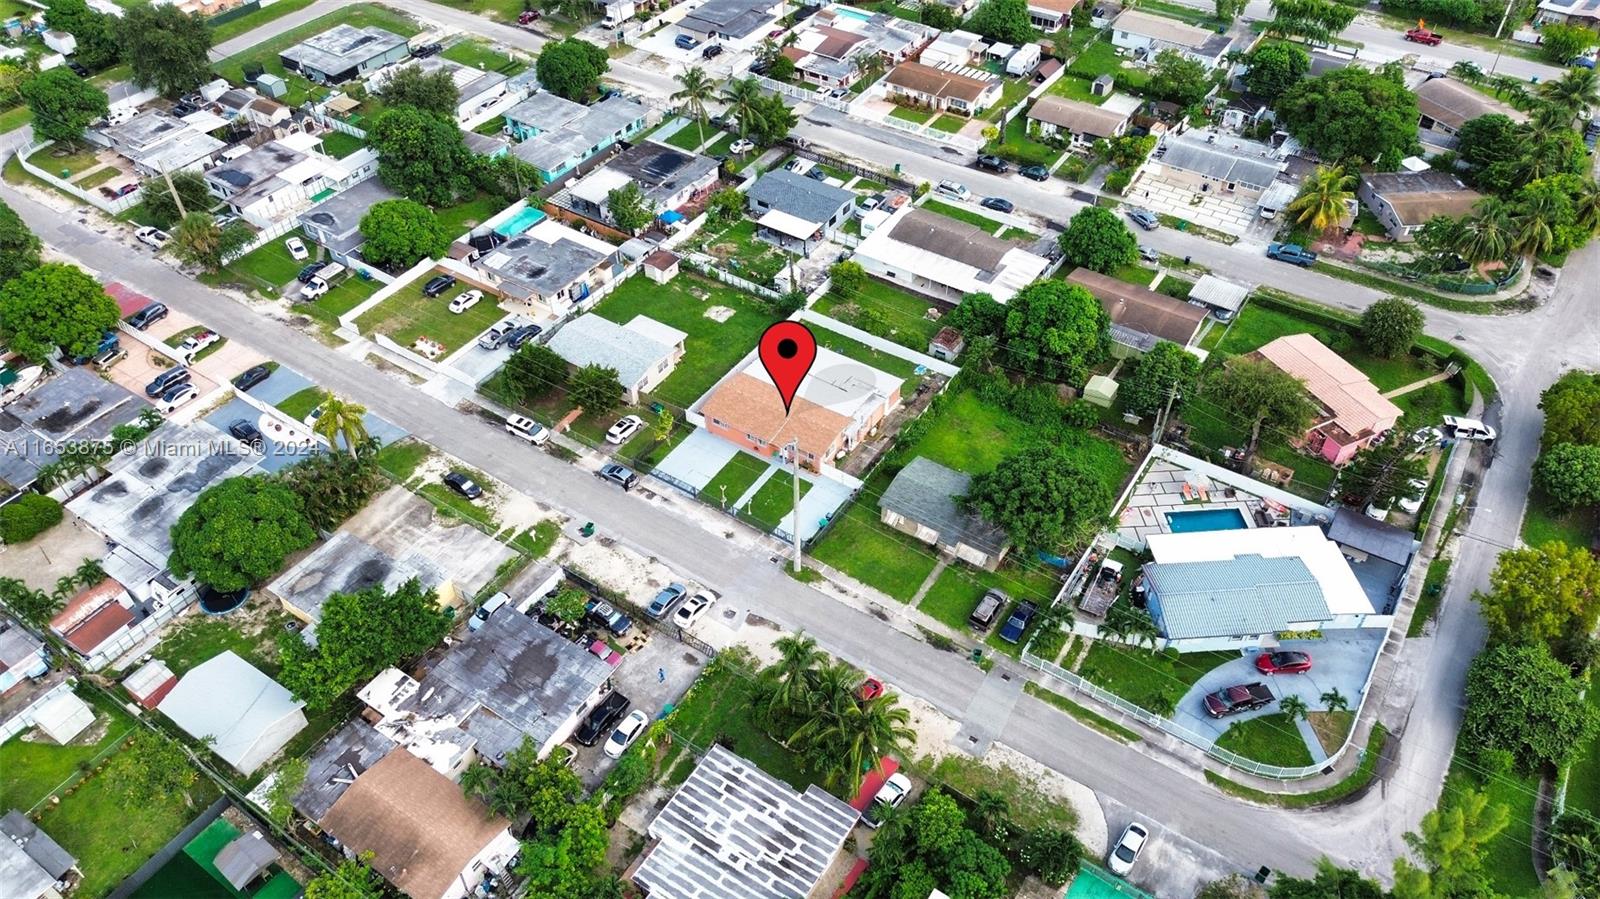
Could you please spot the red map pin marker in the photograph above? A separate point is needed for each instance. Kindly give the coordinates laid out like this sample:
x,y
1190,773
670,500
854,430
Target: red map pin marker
x,y
787,351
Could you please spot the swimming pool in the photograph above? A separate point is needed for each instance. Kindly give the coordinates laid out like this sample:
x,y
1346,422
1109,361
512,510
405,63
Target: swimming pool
x,y
839,10
1093,883
1206,520
520,222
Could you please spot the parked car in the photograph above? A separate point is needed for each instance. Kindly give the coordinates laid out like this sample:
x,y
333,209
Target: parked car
x,y
607,616
493,338
116,193
685,42
1122,856
890,796
481,616
165,381
624,429
1238,698
297,249
742,145
1035,172
528,429
147,316
309,272
998,204
760,67
621,475
1411,504
1283,662
870,689
176,396
252,376
711,51
694,608
1011,632
1144,218
78,68
438,284
817,173
427,50
601,718
152,236
629,730
465,300
992,163
522,335
463,485
106,358
988,609
245,431
1292,253
199,340
953,190
1148,254
1420,35
1469,429
665,600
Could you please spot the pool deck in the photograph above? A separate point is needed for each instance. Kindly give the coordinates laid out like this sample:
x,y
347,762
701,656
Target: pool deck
x,y
1161,491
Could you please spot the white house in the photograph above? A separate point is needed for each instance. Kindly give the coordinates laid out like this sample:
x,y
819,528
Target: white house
x,y
278,179
247,715
549,268
947,86
1050,15
946,259
644,352
1149,33
476,89
1074,120
960,48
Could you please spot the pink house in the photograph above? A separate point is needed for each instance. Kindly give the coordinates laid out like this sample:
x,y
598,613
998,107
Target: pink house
x,y
1353,413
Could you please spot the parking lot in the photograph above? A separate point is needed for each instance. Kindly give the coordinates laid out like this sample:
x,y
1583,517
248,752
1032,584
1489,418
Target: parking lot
x,y
653,676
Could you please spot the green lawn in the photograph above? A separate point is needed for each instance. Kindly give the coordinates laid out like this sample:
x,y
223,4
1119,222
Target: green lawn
x,y
971,436
949,124
1155,681
1016,145
734,479
1258,324
775,500
344,296
299,404
862,353
1432,595
407,315
483,56
538,540
401,459
722,146
1076,87
199,637
1544,523
717,708
871,552
1506,859
1021,235
453,504
467,214
909,114
962,214
688,137
267,268
99,177
492,127
1583,778
1134,274
30,770
712,347
266,52
59,161
904,314
742,253
957,591
1100,58
1011,90
339,145
1271,739
253,20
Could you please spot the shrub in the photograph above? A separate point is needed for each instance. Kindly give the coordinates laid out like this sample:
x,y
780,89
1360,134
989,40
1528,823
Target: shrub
x,y
27,517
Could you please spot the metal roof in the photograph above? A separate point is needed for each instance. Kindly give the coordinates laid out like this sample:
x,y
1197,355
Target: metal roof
x,y
230,700
1375,538
1245,595
1214,291
243,860
342,47
1224,158
927,493
38,845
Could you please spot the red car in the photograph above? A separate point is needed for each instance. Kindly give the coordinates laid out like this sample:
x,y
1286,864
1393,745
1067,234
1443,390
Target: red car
x,y
870,689
1420,35
527,16
1283,662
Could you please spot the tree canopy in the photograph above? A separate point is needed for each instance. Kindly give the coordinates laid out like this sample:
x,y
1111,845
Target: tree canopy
x,y
1571,409
928,846
1262,394
1451,843
1055,331
353,879
55,305
359,635
94,32
1330,880
401,232
433,92
533,371
1044,497
1318,21
422,156
1096,239
1353,114
167,48
1383,474
572,68
1543,593
595,388
19,246
1178,78
1523,700
152,768
199,240
63,104
1156,374
1569,473
237,533
978,315
334,486
1390,326
163,209
1003,20
1274,67
630,209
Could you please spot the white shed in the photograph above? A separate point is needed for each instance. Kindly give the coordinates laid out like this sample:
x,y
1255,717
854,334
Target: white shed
x,y
1024,60
63,717
249,715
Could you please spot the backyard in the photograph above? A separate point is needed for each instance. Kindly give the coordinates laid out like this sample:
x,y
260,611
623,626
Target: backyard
x,y
899,315
469,213
31,770
716,709
266,53
743,254
408,314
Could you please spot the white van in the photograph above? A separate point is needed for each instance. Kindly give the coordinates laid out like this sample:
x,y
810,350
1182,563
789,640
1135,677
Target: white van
x,y
120,116
1469,429
953,190
488,608
322,281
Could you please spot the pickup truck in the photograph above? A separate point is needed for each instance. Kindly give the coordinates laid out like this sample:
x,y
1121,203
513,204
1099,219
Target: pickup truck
x,y
1292,253
1420,35
1238,698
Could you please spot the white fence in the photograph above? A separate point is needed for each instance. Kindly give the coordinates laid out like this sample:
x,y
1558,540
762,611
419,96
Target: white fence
x,y
702,264
803,92
926,132
91,196
277,230
134,636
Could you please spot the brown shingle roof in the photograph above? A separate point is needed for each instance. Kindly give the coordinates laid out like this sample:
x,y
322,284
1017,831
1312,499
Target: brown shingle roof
x,y
1077,116
420,827
951,239
1453,104
1140,308
935,82
749,404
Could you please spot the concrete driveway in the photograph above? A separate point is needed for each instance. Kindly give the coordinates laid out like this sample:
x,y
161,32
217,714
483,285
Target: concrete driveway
x,y
652,676
697,460
478,363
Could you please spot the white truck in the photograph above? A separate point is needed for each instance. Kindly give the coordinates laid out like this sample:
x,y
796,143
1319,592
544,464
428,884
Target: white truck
x,y
617,12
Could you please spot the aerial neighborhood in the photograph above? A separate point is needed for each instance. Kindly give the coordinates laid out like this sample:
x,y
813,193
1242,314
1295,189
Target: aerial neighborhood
x,y
743,449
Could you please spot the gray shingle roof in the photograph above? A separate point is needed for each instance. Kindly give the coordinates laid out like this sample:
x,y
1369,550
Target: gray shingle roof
x,y
926,492
592,340
951,239
341,47
1375,538
1239,596
799,196
38,845
243,860
1247,162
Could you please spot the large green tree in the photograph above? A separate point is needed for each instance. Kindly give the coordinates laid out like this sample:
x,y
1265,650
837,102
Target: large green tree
x,y
595,388
1055,331
562,865
1006,21
1569,473
167,48
1179,79
353,879
1323,198
19,246
63,104
631,211
1544,594
237,533
533,371
771,120
94,32
1274,67
1561,43
1384,473
1524,701
572,68
1262,394
1318,21
1044,497
978,315
1354,114
1575,844
422,156
1390,326
28,516
401,232
1096,239
508,177
152,768
198,240
55,305
930,846
359,635
1571,409
334,486
1167,371
33,606
1451,844
523,784
1329,881
433,92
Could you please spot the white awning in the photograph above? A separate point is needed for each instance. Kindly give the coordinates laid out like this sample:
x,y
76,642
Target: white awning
x,y
788,225
1219,293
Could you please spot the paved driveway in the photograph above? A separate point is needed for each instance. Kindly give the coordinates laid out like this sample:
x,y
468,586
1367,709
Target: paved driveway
x,y
653,676
478,363
697,460
286,382
276,456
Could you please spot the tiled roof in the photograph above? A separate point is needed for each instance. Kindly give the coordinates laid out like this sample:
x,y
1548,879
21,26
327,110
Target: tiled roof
x,y
1355,404
749,404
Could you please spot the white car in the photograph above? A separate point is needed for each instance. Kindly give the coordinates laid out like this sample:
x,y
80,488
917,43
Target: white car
x,y
953,190
626,732
1469,429
1126,852
528,429
1410,504
624,429
465,300
893,792
197,342
693,608
297,249
152,237
177,396
742,145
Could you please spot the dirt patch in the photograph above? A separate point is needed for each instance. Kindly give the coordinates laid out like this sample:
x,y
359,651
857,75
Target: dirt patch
x,y
1331,728
719,314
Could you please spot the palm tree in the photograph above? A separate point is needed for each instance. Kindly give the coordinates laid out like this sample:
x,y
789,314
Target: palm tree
x,y
1486,236
1510,89
1334,701
742,98
342,418
66,588
1572,93
1293,706
697,89
89,573
34,606
989,811
1467,71
1322,200
796,670
830,701
868,731
1531,234
1587,206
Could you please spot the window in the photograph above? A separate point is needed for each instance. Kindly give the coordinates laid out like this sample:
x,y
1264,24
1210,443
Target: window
x,y
719,422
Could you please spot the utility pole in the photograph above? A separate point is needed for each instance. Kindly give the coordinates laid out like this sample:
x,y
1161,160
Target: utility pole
x,y
1498,29
167,175
1161,420
794,525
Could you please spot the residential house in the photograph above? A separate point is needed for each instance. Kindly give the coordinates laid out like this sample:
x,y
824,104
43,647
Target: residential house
x,y
22,656
1404,201
1149,34
946,259
32,864
150,683
158,143
796,212
1583,13
1378,552
835,409
1140,317
735,830
245,715
1218,163
1446,104
1075,121
833,48
668,178
76,405
1352,415
281,178
476,88
922,501
643,352
955,48
1051,15
548,269
92,616
335,223
512,679
243,105
946,86
344,52
556,135
739,23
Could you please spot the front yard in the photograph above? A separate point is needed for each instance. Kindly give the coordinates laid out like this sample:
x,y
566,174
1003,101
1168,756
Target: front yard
x,y
1153,680
875,554
1271,739
1016,145
734,479
960,214
408,314
959,587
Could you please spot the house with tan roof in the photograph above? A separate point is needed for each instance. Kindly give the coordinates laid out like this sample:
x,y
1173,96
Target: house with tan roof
x,y
831,48
946,86
837,406
1149,34
940,257
1074,120
1353,414
1404,201
1140,317
427,838
1050,15
1447,104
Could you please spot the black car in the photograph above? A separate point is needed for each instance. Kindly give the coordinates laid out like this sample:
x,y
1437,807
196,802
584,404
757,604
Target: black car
x,y
309,272
167,380
522,335
246,432
711,52
621,475
815,173
427,50
77,68
606,615
1035,172
463,485
760,67
998,204
992,163
438,285
1018,622
147,316
602,718
252,376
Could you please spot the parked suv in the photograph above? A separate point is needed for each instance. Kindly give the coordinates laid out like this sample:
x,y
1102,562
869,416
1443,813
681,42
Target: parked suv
x,y
602,718
953,190
438,284
621,475
607,616
1144,218
1018,622
988,610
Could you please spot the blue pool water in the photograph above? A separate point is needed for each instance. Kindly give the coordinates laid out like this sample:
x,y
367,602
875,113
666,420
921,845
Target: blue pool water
x,y
852,13
520,222
1206,520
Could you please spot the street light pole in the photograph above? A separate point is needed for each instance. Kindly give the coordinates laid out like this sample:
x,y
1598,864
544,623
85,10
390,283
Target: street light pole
x,y
794,522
